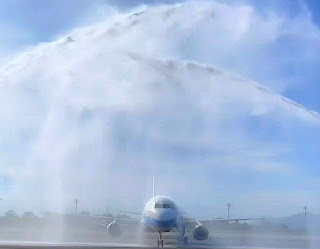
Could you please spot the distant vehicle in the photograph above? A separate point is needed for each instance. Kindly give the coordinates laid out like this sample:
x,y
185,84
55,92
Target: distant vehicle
x,y
161,215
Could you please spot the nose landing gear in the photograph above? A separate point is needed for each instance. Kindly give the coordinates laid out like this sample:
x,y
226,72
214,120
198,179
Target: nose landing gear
x,y
160,241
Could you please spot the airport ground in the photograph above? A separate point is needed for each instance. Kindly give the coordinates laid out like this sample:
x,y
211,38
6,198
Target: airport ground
x,y
78,239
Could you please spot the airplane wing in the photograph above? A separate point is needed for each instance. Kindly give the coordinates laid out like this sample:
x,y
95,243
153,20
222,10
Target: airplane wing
x,y
193,221
233,220
126,212
113,218
99,217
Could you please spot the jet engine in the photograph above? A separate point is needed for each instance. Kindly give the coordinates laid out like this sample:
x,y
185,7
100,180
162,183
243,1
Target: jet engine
x,y
200,232
114,230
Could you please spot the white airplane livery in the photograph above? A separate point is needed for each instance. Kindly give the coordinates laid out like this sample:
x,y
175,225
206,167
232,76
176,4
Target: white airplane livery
x,y
161,215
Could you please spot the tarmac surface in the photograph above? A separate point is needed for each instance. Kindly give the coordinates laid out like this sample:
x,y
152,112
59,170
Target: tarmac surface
x,y
27,238
43,245
220,241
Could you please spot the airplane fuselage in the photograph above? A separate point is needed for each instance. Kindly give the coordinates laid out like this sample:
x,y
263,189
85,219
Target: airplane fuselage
x,y
160,214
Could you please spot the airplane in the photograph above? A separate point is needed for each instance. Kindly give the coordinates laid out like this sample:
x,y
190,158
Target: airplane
x,y
162,215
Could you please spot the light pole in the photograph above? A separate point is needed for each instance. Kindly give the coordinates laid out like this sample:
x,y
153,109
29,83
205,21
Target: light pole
x,y
305,216
228,206
76,201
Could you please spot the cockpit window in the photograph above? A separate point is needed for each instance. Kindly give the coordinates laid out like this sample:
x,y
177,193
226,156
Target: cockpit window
x,y
166,205
158,205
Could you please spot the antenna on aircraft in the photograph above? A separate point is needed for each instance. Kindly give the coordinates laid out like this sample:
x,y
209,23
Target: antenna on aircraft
x,y
107,208
152,186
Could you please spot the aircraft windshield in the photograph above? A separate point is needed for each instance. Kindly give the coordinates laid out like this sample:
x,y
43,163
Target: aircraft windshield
x,y
158,205
165,205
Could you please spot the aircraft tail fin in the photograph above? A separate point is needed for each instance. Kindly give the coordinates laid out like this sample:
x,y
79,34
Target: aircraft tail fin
x,y
153,194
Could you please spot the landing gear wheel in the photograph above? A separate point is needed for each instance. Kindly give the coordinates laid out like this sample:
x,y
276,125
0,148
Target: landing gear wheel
x,y
161,243
185,240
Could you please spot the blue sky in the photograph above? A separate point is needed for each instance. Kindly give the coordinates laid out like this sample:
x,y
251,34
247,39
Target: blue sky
x,y
280,50
25,23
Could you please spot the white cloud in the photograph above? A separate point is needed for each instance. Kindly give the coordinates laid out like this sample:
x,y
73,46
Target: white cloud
x,y
96,113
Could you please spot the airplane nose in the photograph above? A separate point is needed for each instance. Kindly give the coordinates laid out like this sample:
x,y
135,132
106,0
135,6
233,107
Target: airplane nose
x,y
166,215
163,219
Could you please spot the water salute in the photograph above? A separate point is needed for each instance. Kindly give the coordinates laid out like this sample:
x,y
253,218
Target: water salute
x,y
159,124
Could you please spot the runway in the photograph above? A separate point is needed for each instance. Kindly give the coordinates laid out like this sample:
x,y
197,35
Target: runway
x,y
54,245
227,243
77,239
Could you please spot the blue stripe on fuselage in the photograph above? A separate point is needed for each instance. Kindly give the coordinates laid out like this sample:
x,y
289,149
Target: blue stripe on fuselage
x,y
160,224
